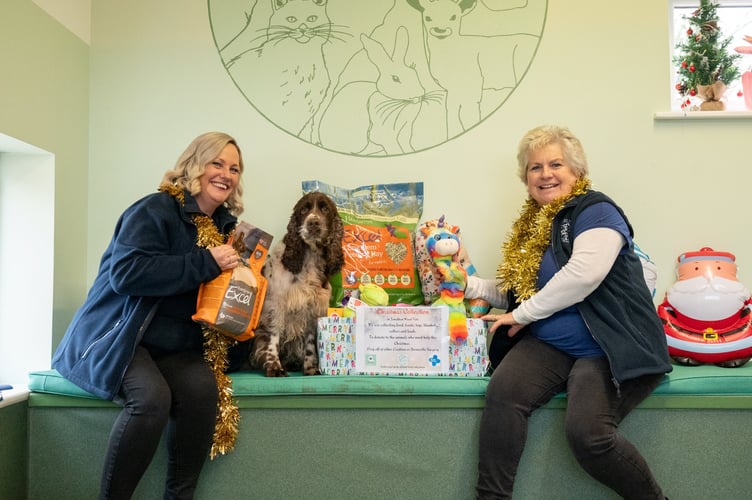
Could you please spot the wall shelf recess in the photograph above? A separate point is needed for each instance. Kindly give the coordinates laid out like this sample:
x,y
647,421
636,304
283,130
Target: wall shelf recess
x,y
704,115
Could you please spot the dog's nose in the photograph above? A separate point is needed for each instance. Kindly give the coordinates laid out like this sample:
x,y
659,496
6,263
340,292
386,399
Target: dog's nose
x,y
313,218
314,225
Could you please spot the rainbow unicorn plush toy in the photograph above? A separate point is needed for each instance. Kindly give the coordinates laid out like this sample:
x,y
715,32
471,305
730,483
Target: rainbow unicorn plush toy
x,y
443,245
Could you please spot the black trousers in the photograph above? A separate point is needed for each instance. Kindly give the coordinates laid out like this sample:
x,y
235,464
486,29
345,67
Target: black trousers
x,y
176,392
528,377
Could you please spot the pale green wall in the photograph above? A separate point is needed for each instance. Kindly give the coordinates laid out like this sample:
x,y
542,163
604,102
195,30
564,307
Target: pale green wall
x,y
44,101
157,81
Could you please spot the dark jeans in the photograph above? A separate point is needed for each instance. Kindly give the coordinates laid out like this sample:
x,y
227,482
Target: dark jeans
x,y
177,391
529,376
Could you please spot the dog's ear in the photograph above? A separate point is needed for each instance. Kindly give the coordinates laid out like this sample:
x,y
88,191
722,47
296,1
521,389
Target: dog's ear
x,y
295,247
335,258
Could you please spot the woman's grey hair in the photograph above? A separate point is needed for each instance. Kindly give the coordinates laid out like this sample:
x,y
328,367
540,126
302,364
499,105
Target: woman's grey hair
x,y
574,154
192,164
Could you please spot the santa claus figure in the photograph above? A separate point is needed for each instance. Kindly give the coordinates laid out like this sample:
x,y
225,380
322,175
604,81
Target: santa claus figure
x,y
706,313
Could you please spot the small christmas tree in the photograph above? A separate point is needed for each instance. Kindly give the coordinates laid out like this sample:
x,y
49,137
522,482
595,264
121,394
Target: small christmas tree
x,y
703,58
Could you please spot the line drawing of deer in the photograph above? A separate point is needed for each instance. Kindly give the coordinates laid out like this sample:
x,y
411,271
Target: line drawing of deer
x,y
466,65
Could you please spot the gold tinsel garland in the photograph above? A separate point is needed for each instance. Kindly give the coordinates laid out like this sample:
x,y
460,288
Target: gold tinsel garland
x,y
528,240
216,345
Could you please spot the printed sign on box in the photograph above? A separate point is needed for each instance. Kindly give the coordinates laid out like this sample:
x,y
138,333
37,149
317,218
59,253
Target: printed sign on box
x,y
337,349
402,340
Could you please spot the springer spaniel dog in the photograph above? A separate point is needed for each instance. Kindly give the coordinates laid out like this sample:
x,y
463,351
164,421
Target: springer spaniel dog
x,y
298,290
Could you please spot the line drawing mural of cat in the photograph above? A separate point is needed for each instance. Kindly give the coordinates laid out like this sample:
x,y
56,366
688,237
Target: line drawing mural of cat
x,y
285,76
469,67
316,80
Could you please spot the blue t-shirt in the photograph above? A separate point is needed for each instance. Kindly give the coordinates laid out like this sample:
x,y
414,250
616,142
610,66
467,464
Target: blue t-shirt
x,y
565,329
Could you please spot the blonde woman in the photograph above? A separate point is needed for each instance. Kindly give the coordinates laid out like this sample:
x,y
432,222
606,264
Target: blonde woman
x,y
133,340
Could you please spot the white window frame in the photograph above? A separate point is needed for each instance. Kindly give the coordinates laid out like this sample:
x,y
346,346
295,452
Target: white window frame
x,y
734,103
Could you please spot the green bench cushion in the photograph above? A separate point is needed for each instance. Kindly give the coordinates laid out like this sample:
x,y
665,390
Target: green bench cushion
x,y
256,384
705,386
253,389
707,380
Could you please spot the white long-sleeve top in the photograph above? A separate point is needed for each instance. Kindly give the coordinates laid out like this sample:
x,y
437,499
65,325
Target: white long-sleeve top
x,y
593,254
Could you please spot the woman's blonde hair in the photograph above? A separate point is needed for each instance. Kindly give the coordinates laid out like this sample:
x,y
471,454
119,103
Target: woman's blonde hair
x,y
539,137
192,164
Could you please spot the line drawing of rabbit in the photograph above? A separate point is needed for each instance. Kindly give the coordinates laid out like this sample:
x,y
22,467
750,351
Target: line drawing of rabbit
x,y
397,100
467,65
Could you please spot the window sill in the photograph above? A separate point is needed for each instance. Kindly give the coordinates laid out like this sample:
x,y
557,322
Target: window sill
x,y
13,396
704,115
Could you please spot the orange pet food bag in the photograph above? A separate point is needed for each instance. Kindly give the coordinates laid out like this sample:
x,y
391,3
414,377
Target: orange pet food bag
x,y
231,303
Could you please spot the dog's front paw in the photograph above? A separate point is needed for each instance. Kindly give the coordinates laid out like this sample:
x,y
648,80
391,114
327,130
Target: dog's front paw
x,y
274,369
311,370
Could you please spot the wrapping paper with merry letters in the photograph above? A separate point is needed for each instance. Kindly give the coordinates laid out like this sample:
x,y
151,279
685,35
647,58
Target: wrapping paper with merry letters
x,y
336,347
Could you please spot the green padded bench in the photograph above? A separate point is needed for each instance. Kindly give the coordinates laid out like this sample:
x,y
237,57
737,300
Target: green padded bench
x,y
406,438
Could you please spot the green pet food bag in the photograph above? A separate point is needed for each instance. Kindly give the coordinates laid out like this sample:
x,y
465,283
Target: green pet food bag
x,y
380,222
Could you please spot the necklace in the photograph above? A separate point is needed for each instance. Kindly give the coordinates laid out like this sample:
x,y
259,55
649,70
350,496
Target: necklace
x,y
528,240
216,344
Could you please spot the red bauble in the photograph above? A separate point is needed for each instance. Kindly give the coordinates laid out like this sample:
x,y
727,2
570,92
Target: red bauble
x,y
684,64
692,68
693,92
690,32
739,94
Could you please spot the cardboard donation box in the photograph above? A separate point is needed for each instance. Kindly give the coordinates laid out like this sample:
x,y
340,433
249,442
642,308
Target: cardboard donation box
x,y
400,341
